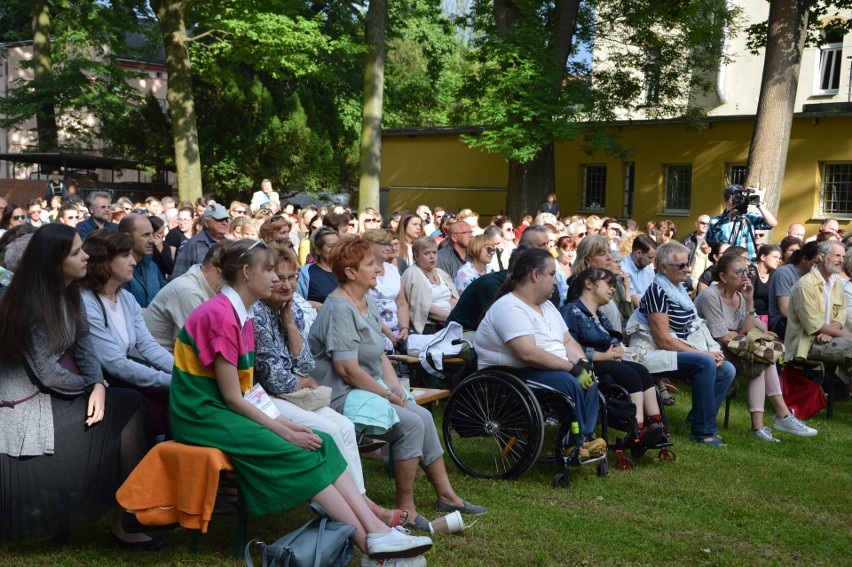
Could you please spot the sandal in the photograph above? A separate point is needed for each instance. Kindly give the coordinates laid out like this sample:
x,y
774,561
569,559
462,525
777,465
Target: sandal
x,y
665,388
420,524
397,519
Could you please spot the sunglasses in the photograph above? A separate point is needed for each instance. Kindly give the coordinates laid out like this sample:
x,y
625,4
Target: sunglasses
x,y
703,222
19,217
252,247
581,234
760,235
371,220
680,266
451,216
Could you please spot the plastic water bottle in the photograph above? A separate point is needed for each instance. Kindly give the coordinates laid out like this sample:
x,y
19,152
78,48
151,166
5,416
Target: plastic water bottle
x,y
5,277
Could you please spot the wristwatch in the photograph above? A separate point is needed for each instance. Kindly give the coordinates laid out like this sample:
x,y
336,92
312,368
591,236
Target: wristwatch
x,y
388,395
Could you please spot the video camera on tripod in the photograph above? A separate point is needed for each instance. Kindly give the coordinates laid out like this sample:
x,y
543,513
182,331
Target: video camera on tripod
x,y
742,198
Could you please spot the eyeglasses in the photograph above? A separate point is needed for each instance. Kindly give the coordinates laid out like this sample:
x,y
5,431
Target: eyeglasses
x,y
184,220
75,217
371,220
106,207
386,244
741,272
19,217
703,222
490,249
760,235
680,266
291,279
581,234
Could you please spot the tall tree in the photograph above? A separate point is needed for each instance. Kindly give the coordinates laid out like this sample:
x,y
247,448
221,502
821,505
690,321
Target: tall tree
x,y
171,15
784,35
371,122
48,135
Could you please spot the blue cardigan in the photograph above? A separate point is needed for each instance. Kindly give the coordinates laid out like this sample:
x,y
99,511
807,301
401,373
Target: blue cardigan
x,y
109,349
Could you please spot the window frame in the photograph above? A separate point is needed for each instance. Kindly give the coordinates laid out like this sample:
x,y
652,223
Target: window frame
x,y
585,204
667,175
823,210
819,68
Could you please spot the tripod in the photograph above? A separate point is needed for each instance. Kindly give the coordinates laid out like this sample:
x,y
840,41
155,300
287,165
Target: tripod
x,y
740,224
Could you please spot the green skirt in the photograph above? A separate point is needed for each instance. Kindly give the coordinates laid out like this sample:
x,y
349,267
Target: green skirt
x,y
274,474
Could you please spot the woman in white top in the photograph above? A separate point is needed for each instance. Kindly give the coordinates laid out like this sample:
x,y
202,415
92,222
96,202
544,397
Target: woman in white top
x,y
480,252
117,327
428,290
387,291
523,329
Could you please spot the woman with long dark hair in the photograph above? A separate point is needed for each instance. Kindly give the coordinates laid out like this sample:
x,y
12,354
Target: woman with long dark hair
x,y
66,442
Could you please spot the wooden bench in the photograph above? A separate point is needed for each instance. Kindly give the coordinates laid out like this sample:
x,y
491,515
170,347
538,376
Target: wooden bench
x,y
419,374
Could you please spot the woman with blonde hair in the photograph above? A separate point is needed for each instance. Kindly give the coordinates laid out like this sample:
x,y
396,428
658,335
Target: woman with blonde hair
x,y
428,290
369,219
480,251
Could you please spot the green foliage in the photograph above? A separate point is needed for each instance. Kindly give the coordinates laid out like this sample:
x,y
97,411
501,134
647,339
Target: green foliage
x,y
143,133
423,68
825,18
658,55
84,82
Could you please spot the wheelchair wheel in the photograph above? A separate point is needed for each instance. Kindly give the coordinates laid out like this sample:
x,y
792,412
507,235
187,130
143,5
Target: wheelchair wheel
x,y
493,426
562,480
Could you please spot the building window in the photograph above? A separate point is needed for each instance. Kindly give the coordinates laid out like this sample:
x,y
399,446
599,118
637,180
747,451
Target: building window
x,y
737,175
836,190
594,187
828,70
678,187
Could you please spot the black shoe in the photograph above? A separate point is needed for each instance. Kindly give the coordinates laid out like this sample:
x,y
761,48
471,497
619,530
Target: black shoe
x,y
651,435
131,524
153,544
368,445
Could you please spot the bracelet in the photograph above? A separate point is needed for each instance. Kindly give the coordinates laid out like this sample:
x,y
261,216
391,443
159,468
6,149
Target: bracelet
x,y
388,395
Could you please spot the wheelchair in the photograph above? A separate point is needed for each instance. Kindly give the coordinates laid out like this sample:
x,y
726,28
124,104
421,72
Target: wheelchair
x,y
495,426
621,416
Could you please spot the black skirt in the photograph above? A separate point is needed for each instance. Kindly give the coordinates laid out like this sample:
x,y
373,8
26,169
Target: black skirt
x,y
45,495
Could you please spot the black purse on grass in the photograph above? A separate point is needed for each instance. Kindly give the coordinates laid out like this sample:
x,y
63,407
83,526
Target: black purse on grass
x,y
321,542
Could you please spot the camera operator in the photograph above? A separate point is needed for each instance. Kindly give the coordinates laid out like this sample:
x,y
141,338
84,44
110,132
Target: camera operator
x,y
736,225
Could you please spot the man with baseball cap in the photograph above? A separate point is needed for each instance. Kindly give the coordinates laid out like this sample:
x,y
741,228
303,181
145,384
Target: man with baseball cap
x,y
214,226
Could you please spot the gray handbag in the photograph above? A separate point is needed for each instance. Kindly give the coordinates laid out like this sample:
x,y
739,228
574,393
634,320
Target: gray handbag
x,y
321,542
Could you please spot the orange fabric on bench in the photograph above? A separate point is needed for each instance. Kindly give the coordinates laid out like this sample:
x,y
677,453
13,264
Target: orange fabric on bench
x,y
175,483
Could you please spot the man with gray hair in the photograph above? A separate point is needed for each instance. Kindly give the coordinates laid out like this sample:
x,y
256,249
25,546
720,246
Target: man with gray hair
x,y
214,226
817,312
99,203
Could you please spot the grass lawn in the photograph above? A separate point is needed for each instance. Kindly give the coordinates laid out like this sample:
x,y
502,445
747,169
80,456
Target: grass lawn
x,y
752,503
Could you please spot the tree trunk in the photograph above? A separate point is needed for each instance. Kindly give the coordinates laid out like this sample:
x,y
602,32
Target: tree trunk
x,y
170,15
529,184
371,122
767,156
48,135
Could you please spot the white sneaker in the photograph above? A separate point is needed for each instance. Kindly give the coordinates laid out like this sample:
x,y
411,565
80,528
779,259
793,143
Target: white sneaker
x,y
397,542
764,434
418,561
791,424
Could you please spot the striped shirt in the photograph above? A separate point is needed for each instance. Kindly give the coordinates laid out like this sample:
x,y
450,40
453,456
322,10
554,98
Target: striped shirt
x,y
215,328
656,300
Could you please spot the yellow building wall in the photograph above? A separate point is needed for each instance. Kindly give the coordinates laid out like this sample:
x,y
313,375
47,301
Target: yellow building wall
x,y
434,169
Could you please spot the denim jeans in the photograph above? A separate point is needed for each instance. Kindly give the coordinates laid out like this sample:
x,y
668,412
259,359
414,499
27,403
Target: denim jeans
x,y
586,401
709,386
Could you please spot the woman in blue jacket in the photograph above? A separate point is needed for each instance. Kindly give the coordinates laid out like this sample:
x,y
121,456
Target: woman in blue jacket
x,y
590,290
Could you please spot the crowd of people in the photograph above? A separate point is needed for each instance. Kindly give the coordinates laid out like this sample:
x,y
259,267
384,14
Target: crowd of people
x,y
125,324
